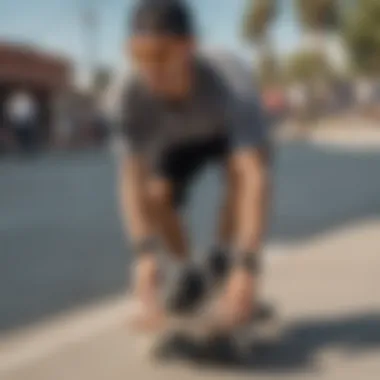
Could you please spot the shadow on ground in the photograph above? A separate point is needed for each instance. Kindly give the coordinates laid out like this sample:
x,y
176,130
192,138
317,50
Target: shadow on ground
x,y
303,341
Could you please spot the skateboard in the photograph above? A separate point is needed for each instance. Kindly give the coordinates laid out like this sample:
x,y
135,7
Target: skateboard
x,y
198,337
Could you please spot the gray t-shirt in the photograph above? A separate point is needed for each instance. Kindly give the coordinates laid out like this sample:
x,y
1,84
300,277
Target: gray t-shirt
x,y
223,102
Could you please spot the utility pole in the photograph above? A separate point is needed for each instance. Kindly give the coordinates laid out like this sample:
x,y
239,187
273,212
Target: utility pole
x,y
90,32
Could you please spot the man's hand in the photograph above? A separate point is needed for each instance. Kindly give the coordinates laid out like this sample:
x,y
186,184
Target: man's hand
x,y
237,303
150,313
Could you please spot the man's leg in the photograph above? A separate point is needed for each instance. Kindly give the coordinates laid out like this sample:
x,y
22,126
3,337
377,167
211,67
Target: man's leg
x,y
147,199
161,194
165,187
172,173
149,202
185,284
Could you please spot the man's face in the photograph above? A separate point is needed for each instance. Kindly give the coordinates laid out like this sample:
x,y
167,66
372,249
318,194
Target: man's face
x,y
162,62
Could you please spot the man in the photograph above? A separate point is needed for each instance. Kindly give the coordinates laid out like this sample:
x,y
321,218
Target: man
x,y
181,111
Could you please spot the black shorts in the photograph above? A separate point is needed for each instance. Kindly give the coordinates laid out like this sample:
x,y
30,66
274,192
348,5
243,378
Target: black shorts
x,y
179,164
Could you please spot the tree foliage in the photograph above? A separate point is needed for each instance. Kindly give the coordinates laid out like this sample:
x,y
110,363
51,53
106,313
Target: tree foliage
x,y
362,36
269,71
318,14
257,18
307,67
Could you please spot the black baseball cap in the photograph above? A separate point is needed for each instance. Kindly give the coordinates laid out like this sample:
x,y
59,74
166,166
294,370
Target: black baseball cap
x,y
169,17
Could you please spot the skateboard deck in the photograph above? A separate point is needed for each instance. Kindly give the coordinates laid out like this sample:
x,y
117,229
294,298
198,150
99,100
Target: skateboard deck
x,y
199,337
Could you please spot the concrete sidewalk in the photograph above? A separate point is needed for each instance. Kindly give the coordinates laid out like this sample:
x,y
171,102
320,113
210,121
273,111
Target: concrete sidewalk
x,y
327,291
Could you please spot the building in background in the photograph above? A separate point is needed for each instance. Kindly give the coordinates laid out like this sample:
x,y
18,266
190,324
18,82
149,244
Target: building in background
x,y
44,77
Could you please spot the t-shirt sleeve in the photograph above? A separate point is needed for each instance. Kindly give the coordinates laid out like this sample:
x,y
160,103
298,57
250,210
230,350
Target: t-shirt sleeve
x,y
247,121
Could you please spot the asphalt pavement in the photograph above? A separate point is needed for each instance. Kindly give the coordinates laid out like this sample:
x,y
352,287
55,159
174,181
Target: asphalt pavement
x,y
61,241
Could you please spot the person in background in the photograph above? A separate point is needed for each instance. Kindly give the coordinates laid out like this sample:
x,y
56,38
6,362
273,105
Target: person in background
x,y
22,114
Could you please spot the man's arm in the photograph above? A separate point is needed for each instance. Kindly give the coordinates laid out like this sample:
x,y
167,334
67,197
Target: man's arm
x,y
133,200
250,161
132,169
253,198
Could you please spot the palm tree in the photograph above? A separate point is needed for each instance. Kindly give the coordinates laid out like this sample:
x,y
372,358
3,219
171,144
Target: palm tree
x,y
361,33
304,66
257,19
320,21
318,14
318,18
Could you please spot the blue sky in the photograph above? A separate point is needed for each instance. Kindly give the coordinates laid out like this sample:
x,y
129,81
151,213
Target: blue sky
x,y
56,25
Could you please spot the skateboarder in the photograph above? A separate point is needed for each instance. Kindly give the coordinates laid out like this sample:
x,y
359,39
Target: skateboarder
x,y
180,110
